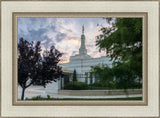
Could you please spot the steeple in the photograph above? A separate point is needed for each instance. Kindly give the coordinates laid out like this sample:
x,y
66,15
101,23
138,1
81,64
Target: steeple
x,y
82,49
83,29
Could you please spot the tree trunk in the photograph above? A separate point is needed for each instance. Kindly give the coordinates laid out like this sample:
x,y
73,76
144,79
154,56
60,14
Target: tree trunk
x,y
23,91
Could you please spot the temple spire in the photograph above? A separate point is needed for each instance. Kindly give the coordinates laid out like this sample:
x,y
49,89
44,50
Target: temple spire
x,y
83,29
82,49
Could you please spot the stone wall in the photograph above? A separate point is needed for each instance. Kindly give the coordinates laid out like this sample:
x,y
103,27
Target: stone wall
x,y
98,92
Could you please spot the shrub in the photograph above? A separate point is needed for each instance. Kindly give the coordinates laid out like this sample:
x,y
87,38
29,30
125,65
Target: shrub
x,y
98,84
76,86
106,85
37,98
101,84
48,96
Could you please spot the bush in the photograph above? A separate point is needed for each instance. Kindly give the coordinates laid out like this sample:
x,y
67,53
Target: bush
x,y
39,98
35,98
48,96
98,84
76,86
106,85
101,84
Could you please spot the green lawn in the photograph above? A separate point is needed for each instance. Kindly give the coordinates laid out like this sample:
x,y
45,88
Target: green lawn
x,y
39,98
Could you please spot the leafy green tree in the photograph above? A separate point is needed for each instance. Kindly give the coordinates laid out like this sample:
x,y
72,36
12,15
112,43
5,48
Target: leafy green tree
x,y
74,76
104,74
32,66
122,41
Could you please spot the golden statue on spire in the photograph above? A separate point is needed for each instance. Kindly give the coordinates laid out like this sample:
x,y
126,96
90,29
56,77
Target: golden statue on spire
x,y
83,29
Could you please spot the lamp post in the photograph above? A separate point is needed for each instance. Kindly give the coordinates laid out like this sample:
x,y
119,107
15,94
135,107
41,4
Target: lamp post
x,y
91,79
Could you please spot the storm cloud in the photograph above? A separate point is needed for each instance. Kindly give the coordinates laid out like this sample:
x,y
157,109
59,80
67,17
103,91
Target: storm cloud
x,y
63,33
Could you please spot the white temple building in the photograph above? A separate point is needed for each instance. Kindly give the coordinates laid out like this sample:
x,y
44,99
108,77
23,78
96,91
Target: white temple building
x,y
82,63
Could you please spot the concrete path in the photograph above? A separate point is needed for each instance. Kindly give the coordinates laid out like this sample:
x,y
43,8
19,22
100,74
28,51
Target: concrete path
x,y
92,97
34,91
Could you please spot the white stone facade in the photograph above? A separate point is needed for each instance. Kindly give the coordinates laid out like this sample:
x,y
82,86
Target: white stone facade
x,y
82,63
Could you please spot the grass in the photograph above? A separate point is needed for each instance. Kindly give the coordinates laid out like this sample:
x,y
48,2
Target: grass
x,y
40,98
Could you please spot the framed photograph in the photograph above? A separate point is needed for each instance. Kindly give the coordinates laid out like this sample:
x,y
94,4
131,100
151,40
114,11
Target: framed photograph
x,y
80,59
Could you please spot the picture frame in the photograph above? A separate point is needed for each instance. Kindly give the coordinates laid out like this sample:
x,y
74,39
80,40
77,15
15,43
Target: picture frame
x,y
148,10
80,102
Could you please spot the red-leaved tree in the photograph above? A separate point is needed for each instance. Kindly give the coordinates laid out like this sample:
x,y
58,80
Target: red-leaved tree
x,y
32,66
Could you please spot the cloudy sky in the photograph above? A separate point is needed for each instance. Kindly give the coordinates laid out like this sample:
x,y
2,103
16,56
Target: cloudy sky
x,y
63,33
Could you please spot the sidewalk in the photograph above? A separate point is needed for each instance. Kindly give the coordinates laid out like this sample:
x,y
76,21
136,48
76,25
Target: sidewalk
x,y
92,97
34,91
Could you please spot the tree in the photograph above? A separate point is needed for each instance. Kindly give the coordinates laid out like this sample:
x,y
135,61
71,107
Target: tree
x,y
49,69
104,74
74,76
32,66
122,41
